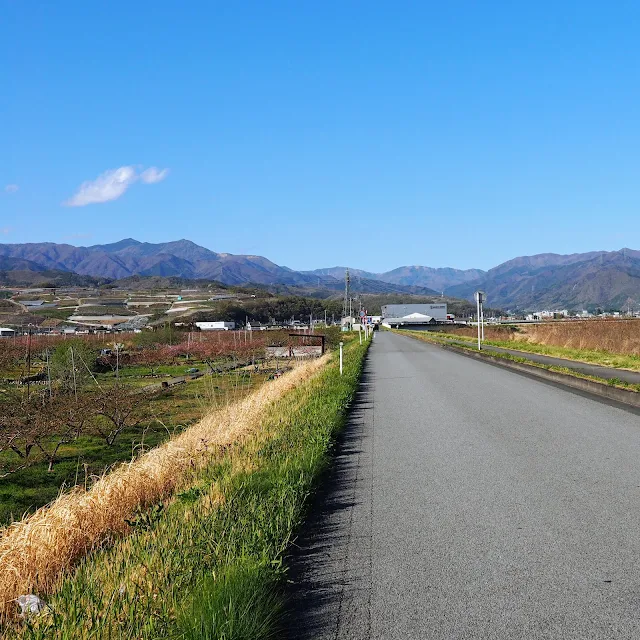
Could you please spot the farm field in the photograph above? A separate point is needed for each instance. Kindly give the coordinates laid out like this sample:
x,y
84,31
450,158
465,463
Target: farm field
x,y
151,301
109,305
87,457
74,420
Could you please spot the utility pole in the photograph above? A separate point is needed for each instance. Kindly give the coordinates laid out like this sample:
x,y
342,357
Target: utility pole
x,y
346,307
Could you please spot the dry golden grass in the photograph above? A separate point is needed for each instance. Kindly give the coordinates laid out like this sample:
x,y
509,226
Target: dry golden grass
x,y
37,550
614,336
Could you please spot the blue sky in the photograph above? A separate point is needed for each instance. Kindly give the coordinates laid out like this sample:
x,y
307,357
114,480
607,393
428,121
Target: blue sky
x,y
321,133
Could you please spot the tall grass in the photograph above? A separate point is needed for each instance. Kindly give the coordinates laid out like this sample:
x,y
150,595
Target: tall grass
x,y
34,552
241,601
613,336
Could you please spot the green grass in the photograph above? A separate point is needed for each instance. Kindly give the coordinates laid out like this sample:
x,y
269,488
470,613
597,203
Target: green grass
x,y
211,565
241,601
590,356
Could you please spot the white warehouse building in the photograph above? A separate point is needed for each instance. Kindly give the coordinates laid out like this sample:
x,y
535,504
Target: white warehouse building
x,y
216,326
413,316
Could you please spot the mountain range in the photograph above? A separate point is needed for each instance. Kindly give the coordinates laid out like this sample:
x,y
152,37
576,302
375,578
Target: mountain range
x,y
607,279
182,258
581,280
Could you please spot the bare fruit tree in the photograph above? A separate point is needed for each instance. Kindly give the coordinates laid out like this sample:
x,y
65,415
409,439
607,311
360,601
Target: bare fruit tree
x,y
120,408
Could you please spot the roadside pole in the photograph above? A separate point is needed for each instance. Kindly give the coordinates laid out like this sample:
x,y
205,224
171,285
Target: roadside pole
x,y
341,345
360,335
478,319
479,296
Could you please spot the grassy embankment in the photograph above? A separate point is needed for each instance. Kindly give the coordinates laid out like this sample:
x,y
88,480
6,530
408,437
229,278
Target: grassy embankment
x,y
441,338
609,343
210,563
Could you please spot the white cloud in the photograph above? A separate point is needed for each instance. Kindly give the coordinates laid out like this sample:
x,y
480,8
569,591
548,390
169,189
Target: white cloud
x,y
5,231
11,188
108,186
111,184
153,175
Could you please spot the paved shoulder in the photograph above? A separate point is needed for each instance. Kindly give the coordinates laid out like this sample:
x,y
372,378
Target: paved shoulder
x,y
471,502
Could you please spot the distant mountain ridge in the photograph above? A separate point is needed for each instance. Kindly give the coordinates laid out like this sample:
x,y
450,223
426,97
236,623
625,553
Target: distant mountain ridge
x,y
181,258
438,279
129,257
582,280
607,279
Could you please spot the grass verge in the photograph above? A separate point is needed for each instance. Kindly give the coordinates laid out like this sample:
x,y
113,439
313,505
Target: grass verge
x,y
35,551
208,563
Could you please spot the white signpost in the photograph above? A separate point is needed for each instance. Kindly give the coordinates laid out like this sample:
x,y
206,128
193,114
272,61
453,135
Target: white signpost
x,y
480,297
341,345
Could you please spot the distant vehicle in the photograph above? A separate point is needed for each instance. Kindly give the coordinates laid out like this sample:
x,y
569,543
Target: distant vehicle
x,y
193,370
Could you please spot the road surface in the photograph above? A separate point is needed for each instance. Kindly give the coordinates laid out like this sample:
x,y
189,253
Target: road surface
x,y
468,501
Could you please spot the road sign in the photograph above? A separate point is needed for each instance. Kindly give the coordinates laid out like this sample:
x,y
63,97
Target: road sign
x,y
480,296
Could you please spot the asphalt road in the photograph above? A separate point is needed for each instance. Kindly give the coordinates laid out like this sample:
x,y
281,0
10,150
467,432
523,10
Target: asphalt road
x,y
468,501
608,373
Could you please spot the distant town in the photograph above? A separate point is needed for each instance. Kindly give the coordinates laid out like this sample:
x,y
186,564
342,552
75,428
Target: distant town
x,y
79,310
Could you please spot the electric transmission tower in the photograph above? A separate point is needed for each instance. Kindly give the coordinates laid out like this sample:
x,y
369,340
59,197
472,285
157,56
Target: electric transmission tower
x,y
347,285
